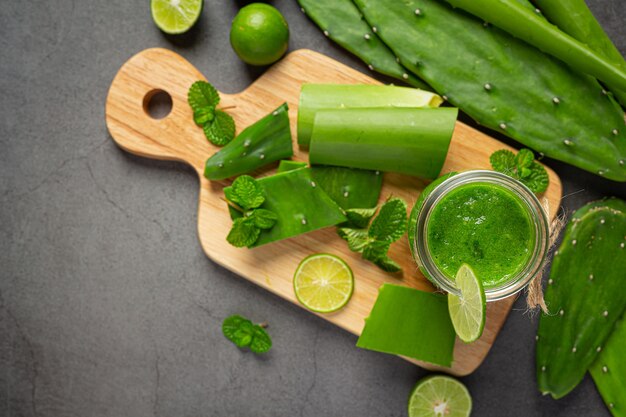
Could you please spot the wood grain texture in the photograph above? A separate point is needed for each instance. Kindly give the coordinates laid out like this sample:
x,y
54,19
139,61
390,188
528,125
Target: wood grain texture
x,y
177,138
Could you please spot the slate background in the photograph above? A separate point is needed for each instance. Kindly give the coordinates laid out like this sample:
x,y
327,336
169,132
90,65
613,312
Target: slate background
x,y
108,306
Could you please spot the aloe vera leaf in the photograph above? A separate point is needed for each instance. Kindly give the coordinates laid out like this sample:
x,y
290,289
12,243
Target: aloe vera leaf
x,y
288,165
412,224
412,323
505,84
266,141
585,295
408,141
609,370
341,21
525,24
316,97
301,206
574,18
349,187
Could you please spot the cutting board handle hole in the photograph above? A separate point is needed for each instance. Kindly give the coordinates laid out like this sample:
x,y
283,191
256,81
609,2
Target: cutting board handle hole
x,y
157,104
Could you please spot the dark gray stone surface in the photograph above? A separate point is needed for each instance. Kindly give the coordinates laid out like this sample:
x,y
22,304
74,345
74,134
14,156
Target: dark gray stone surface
x,y
108,306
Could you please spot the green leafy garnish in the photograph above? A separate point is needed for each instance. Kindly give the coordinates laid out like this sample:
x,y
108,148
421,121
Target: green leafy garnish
x,y
218,126
522,167
243,333
246,196
373,242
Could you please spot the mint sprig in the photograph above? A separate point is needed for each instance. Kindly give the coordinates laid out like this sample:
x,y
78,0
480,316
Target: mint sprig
x,y
246,196
218,126
522,167
243,333
373,240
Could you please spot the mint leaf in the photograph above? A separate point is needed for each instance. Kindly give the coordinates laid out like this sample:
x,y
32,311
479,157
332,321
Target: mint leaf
x,y
246,192
242,333
538,179
263,219
238,330
376,250
359,217
524,159
261,341
357,238
203,116
202,95
243,233
390,223
503,161
222,130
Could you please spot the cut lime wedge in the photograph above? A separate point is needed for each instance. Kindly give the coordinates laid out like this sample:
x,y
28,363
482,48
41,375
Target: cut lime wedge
x,y
323,283
175,16
440,396
467,311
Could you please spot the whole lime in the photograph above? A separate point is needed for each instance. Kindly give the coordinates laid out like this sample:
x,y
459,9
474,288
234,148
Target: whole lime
x,y
259,34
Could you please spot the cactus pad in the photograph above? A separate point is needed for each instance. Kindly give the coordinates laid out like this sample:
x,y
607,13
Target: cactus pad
x,y
585,295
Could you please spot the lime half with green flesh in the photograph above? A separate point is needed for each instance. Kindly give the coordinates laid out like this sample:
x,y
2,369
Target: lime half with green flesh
x,y
175,16
440,396
323,283
468,310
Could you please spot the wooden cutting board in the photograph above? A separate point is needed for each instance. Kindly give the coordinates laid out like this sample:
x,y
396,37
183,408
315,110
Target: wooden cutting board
x,y
176,137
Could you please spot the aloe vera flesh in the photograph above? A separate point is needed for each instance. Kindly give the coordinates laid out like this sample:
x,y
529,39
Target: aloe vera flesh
x,y
301,206
505,84
525,24
574,18
408,141
266,141
609,371
287,165
409,322
585,295
316,97
341,21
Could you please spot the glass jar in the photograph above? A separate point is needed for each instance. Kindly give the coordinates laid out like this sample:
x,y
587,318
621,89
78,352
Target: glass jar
x,y
528,201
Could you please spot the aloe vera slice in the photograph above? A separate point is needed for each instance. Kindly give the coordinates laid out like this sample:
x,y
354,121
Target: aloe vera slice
x,y
349,188
301,206
316,97
266,141
288,165
609,371
412,323
409,141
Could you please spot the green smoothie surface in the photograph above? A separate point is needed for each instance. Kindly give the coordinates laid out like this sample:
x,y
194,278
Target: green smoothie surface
x,y
485,226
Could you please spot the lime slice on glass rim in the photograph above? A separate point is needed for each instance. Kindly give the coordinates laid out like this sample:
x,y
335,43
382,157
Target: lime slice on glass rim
x,y
440,396
175,16
323,283
468,310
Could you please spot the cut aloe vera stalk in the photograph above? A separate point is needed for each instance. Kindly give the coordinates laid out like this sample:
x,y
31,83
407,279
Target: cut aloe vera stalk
x,y
316,97
266,141
288,165
409,141
609,370
301,206
412,323
348,187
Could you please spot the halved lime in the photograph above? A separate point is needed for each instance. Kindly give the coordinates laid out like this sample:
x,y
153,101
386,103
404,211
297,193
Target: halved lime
x,y
323,283
440,396
175,16
467,311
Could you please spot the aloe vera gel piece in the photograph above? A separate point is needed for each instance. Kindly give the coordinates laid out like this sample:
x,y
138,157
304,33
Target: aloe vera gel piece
x,y
301,206
316,97
412,323
404,140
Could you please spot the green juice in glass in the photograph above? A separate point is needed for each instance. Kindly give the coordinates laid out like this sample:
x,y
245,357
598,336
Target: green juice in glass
x,y
485,226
